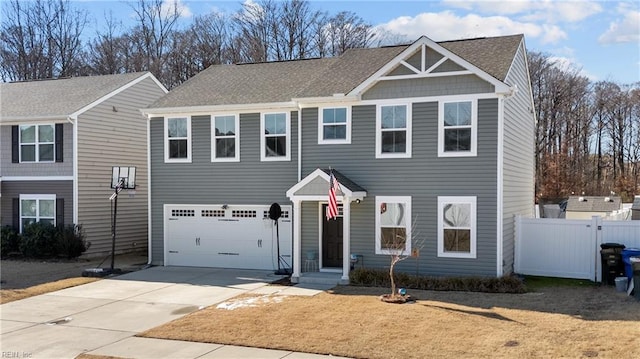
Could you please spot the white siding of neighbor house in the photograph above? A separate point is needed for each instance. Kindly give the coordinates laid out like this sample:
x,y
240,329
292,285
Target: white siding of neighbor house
x,y
518,155
114,133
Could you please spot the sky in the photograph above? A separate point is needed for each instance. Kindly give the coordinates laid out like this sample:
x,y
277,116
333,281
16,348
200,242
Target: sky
x,y
601,39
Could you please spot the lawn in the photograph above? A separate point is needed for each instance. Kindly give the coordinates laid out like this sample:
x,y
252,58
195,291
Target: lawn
x,y
562,321
10,295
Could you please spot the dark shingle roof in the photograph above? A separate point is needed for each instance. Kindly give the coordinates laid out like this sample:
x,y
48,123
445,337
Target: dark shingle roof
x,y
272,82
492,55
62,97
593,204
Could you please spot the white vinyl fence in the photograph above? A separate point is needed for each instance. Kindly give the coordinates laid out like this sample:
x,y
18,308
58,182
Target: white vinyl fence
x,y
568,248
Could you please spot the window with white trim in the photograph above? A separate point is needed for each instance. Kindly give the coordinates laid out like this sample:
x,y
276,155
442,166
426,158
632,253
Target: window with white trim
x,y
393,225
177,136
275,139
37,208
225,138
393,131
334,125
457,123
37,143
457,227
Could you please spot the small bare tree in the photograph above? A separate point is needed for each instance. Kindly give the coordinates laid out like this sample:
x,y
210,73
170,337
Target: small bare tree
x,y
394,242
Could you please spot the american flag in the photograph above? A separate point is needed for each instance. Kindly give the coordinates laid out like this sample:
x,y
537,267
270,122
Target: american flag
x,y
334,186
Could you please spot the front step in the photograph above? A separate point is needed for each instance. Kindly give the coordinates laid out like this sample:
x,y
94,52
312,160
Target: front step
x,y
321,278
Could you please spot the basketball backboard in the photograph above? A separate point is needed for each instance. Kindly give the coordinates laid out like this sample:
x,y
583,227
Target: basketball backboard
x,y
123,177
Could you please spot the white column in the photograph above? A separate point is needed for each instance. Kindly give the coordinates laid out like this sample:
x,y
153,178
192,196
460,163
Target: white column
x,y
346,240
297,245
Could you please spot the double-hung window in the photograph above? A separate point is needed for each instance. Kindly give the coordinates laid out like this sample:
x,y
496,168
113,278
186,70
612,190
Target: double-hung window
x,y
275,141
457,227
37,143
457,128
177,146
393,225
393,131
225,135
334,125
37,208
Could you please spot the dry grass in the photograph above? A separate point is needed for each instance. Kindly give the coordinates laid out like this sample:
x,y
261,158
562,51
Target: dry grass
x,y
353,322
10,295
91,356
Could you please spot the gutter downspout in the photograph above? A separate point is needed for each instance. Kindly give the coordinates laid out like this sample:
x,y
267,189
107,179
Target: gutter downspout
x,y
149,251
299,142
74,121
500,181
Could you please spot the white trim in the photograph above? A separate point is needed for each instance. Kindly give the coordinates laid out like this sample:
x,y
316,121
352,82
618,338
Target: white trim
x,y
346,192
425,75
36,178
407,153
206,110
236,137
117,91
299,139
23,120
36,144
473,152
321,124
500,192
37,198
471,200
500,87
76,213
149,209
413,100
263,155
166,140
406,200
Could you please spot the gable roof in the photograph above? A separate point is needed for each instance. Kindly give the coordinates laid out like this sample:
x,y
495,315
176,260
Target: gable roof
x,y
48,99
277,82
593,204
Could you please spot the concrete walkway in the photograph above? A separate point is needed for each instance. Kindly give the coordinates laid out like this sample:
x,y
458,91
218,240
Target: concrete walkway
x,y
103,317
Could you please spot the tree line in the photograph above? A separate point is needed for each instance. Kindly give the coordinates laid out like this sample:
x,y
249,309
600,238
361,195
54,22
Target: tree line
x,y
587,133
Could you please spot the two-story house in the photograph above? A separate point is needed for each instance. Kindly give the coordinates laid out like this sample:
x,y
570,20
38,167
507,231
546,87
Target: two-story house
x,y
429,141
59,140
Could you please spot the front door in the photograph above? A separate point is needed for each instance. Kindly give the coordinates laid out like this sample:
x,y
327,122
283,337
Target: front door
x,y
331,240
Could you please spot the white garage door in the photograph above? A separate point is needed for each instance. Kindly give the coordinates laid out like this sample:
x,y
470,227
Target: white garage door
x,y
236,237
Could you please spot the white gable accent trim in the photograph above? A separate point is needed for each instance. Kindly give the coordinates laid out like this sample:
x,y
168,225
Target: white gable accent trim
x,y
346,192
420,45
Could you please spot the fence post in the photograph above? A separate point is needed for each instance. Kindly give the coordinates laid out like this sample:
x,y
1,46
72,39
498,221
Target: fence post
x,y
596,232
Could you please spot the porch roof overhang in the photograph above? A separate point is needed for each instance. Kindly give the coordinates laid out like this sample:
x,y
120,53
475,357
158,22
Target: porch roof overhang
x,y
314,187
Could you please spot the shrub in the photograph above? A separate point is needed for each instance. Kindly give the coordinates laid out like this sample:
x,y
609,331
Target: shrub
x,y
38,240
380,278
70,241
9,241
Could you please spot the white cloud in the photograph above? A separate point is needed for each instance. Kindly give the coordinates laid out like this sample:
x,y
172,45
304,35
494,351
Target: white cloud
x,y
183,9
548,11
447,25
623,30
570,64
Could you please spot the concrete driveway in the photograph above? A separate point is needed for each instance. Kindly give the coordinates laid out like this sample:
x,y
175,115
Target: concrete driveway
x,y
103,316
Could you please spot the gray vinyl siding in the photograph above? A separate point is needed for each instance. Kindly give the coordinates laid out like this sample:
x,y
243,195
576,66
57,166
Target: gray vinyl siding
x,y
249,181
113,133
424,87
518,157
13,189
424,177
65,168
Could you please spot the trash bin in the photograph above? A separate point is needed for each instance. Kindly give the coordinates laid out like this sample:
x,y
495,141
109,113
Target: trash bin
x,y
626,258
635,261
612,265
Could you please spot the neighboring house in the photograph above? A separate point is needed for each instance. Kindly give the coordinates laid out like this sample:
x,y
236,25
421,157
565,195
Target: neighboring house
x,y
635,208
431,140
585,207
59,140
